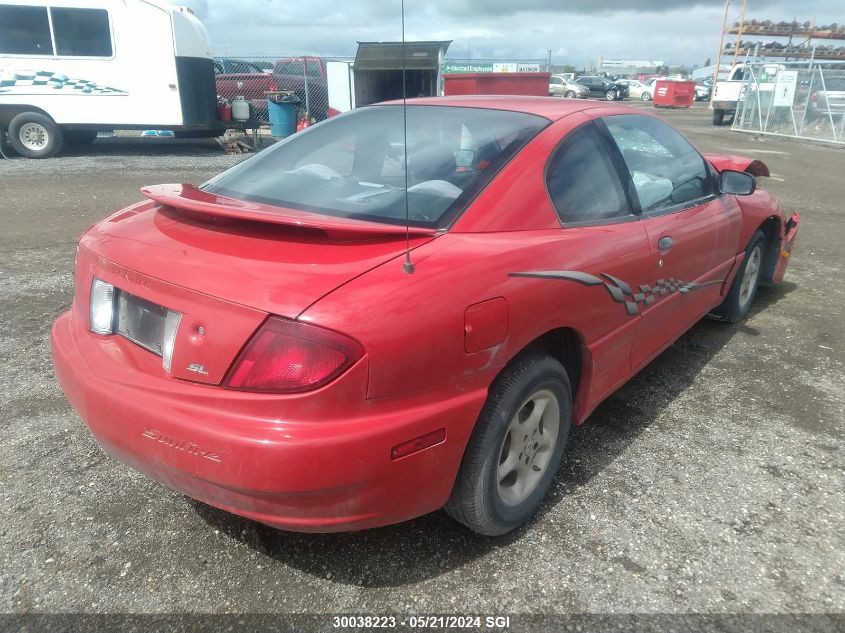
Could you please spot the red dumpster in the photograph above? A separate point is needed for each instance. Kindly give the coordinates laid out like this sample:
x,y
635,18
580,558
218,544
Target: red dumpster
x,y
536,84
674,94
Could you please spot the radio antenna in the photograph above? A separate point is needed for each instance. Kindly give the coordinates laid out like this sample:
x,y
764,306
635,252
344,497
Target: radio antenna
x,y
408,266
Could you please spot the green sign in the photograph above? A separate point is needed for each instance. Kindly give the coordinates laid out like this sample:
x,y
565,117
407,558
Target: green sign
x,y
449,67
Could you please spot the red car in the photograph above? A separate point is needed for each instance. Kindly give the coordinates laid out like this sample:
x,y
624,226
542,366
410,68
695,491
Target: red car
x,y
265,343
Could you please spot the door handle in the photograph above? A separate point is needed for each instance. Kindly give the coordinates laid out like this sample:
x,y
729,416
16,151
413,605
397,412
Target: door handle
x,y
665,244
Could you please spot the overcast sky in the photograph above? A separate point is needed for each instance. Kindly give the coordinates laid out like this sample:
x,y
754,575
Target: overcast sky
x,y
675,31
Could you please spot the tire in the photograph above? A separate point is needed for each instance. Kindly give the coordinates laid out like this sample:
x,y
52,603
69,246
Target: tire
x,y
490,497
569,94
611,95
738,301
79,137
35,135
646,96
718,117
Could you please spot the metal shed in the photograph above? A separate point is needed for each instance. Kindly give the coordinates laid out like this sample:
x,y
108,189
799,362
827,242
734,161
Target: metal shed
x,y
378,70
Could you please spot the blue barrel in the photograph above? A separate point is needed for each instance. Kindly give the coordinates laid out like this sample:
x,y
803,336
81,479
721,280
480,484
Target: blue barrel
x,y
282,111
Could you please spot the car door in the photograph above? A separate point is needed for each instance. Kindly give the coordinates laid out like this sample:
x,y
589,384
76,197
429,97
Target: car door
x,y
692,230
602,242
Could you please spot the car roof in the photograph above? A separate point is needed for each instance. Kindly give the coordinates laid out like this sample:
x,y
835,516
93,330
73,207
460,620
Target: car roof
x,y
552,108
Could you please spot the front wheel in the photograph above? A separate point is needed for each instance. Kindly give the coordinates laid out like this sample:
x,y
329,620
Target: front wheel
x,y
515,448
35,135
738,301
646,96
610,95
569,94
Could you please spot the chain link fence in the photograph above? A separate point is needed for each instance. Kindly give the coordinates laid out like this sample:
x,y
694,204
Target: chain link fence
x,y
251,78
796,99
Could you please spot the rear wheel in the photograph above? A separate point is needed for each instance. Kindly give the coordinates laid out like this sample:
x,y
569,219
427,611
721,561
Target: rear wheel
x,y
738,302
35,135
718,116
515,448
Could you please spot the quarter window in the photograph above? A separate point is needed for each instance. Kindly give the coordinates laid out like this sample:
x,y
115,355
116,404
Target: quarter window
x,y
24,31
582,181
82,32
665,169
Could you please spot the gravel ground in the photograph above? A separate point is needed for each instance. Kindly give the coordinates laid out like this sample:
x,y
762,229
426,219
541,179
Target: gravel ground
x,y
712,483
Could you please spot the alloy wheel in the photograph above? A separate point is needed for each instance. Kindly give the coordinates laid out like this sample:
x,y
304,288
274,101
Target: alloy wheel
x,y
750,277
527,447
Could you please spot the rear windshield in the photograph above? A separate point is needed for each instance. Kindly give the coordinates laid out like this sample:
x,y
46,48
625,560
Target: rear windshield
x,y
353,165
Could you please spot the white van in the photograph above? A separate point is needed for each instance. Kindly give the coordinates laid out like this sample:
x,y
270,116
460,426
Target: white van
x,y
69,68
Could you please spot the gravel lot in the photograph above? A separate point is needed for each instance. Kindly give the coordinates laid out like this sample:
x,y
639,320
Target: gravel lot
x,y
712,483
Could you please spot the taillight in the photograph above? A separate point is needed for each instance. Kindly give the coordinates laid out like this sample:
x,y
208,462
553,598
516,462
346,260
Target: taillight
x,y
290,356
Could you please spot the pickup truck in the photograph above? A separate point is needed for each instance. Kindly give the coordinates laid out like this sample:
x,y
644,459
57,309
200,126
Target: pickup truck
x,y
239,78
251,83
727,93
293,73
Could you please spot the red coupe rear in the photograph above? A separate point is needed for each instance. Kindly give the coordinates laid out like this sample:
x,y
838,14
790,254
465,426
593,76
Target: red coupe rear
x,y
258,344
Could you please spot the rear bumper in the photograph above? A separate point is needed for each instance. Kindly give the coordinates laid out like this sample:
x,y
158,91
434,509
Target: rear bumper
x,y
787,242
223,448
727,106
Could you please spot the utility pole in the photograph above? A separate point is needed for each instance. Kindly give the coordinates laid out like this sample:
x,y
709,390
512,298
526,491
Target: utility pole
x,y
549,63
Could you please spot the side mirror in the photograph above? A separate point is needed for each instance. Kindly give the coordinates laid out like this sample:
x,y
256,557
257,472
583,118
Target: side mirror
x,y
737,182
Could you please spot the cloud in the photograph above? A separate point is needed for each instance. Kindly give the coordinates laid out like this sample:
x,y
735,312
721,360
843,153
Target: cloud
x,y
675,31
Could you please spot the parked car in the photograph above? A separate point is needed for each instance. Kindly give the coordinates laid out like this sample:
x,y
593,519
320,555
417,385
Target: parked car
x,y
637,89
559,86
603,87
829,103
320,340
703,89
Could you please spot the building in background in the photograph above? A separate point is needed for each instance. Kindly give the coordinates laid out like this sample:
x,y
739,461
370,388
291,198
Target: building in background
x,y
628,66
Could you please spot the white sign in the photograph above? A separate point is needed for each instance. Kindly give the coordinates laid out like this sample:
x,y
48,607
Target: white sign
x,y
528,68
785,84
504,67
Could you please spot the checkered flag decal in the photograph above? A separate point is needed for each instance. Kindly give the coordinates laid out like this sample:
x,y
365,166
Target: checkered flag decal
x,y
619,290
53,80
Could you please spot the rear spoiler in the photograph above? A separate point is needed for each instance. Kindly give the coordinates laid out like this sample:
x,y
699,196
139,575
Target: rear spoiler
x,y
737,163
193,201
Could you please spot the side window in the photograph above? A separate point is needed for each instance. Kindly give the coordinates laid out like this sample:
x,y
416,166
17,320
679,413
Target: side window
x,y
82,32
24,31
582,181
666,170
556,80
218,68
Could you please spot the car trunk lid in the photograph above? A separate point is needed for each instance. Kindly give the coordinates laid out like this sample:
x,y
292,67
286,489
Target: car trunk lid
x,y
225,267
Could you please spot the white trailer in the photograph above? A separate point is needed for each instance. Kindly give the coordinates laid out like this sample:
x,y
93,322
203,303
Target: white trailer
x,y
69,68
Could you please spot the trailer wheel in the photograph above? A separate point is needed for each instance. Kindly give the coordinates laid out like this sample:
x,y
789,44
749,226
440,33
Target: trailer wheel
x,y
718,116
35,135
